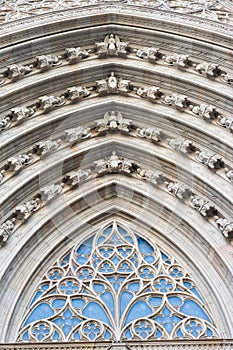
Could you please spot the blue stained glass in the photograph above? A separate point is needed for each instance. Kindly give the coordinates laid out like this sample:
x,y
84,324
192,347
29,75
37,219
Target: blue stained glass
x,y
94,298
99,287
149,259
36,297
107,335
82,260
76,336
191,308
40,312
128,334
134,287
124,301
138,310
209,333
109,301
86,247
58,303
25,336
78,303
175,301
144,246
56,336
155,301
94,310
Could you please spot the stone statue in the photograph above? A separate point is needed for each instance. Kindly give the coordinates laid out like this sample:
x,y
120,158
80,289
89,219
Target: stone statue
x,y
152,54
181,61
114,122
213,161
15,164
45,62
6,230
73,178
226,122
153,93
183,146
227,78
180,102
24,211
207,112
75,135
229,174
112,85
225,226
75,93
155,177
15,71
114,164
211,70
74,55
2,175
20,114
153,134
47,103
50,192
181,191
112,46
5,123
42,148
205,208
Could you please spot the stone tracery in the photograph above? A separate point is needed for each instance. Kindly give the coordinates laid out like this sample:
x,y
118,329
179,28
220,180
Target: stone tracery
x,y
93,290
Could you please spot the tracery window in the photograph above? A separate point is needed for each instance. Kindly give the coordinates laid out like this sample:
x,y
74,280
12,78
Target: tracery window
x,y
116,286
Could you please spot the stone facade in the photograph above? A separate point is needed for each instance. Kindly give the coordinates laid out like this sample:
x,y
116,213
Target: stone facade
x,y
116,110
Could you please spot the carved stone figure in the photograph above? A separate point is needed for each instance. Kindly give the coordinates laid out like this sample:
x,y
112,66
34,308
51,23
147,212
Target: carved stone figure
x,y
75,177
181,61
2,175
229,174
114,122
76,134
155,177
152,54
153,134
6,230
153,93
181,191
225,226
112,46
227,78
20,114
180,102
44,147
45,62
204,207
114,164
75,93
113,85
183,146
16,164
5,123
50,192
207,112
15,71
75,54
24,211
213,161
47,103
211,70
226,122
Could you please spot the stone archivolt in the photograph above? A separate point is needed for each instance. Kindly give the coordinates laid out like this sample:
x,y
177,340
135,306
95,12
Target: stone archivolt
x,y
126,107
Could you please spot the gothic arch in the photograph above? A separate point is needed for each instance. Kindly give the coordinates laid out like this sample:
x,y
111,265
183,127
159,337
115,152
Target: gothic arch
x,y
133,122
